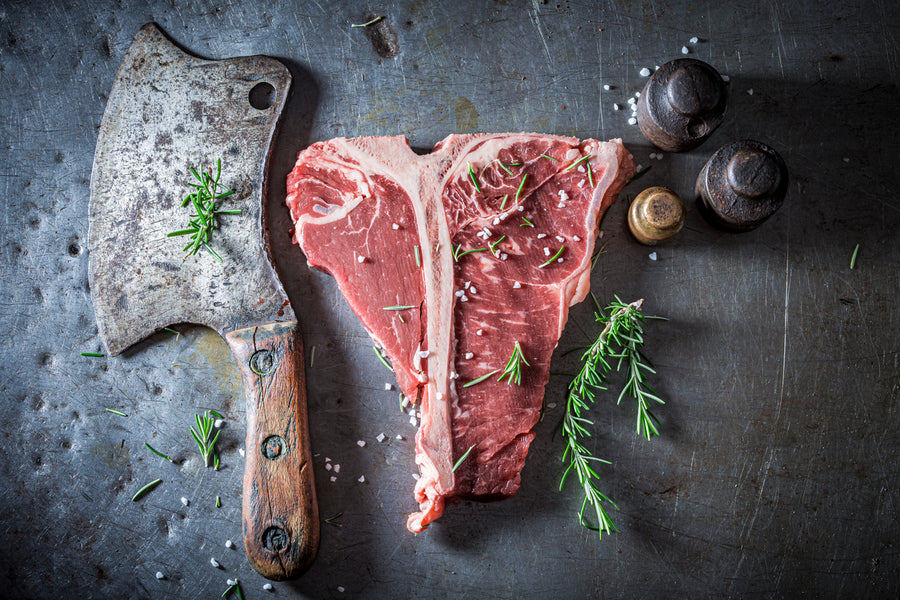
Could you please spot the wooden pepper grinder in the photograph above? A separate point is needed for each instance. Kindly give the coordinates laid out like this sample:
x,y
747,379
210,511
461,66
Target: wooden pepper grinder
x,y
681,105
655,215
741,185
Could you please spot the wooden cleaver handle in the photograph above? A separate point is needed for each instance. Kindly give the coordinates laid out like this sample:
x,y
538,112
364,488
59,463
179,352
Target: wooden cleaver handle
x,y
281,517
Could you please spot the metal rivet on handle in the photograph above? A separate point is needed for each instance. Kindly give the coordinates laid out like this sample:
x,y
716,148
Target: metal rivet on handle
x,y
273,447
275,539
263,363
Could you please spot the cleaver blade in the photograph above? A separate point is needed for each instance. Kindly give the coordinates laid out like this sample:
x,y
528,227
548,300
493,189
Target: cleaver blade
x,y
168,111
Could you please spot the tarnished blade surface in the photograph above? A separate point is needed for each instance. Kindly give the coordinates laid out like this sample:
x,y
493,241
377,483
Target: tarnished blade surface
x,y
169,111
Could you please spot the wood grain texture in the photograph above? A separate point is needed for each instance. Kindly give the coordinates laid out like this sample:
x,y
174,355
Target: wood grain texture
x,y
280,514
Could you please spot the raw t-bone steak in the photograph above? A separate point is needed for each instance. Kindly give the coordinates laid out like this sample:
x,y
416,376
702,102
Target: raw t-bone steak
x,y
487,241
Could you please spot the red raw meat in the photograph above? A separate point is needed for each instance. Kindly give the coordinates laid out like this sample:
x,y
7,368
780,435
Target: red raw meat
x,y
363,206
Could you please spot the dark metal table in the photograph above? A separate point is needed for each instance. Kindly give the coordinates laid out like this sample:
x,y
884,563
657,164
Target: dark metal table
x,y
776,472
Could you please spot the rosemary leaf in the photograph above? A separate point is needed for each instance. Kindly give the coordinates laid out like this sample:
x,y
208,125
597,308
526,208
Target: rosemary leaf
x,y
521,186
157,452
480,379
460,460
116,412
367,23
853,256
137,496
382,359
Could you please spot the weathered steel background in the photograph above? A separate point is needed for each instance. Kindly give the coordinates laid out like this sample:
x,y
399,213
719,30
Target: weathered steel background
x,y
776,474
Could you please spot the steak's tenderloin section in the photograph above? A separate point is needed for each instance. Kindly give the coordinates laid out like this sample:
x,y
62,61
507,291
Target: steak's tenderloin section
x,y
488,241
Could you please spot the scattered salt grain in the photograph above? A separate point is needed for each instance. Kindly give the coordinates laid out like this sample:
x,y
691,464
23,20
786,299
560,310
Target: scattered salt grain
x,y
229,544
846,160
563,195
561,205
268,587
219,423
516,285
617,107
333,479
454,375
503,256
395,226
520,208
185,501
581,169
726,78
560,238
337,468
472,290
541,236
458,293
652,155
632,121
631,101
576,238
652,256
361,443
581,183
362,479
360,259
380,437
327,466
496,221
479,332
412,421
469,355
560,259
638,94
159,575
241,451
229,582
552,405
750,91
399,437
546,251
645,72
684,50
415,476
463,298
423,353
695,39
215,563
327,459
388,387
606,87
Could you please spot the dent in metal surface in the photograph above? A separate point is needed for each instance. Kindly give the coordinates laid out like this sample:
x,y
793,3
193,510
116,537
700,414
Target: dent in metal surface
x,y
169,111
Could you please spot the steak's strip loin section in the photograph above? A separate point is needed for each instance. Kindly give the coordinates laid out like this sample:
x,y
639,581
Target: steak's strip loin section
x,y
505,226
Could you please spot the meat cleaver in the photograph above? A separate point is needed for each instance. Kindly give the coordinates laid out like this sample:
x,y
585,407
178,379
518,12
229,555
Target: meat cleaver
x,y
169,111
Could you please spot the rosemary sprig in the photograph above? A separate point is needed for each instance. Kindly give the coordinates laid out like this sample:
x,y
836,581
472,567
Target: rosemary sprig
x,y
480,379
137,496
206,192
205,439
577,162
554,257
460,460
493,246
382,359
474,178
367,23
620,339
457,254
157,452
521,186
513,369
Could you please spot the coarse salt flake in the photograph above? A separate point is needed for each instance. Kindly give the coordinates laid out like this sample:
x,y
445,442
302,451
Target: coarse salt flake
x,y
684,50
159,575
412,421
327,466
561,205
516,285
268,587
606,87
726,78
337,468
219,423
229,582
360,259
551,405
361,443
496,221
520,208
241,451
395,226
229,544
652,256
581,183
560,238
563,195
415,476
617,107
581,169
645,72
576,238
463,298
185,501
631,101
423,353
380,437
459,293
479,332
327,459
388,387
333,478
472,290
560,259
340,588
750,91
546,251
362,479
541,236
399,437
695,39
469,355
214,563
632,121
503,256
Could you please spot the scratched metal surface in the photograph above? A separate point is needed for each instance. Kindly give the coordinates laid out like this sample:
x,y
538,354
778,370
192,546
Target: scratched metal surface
x,y
776,472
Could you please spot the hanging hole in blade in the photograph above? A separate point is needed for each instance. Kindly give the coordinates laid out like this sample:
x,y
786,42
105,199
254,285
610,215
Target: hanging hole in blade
x,y
262,96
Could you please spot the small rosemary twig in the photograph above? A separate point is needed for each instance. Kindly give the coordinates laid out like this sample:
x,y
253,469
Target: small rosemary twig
x,y
513,369
205,439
